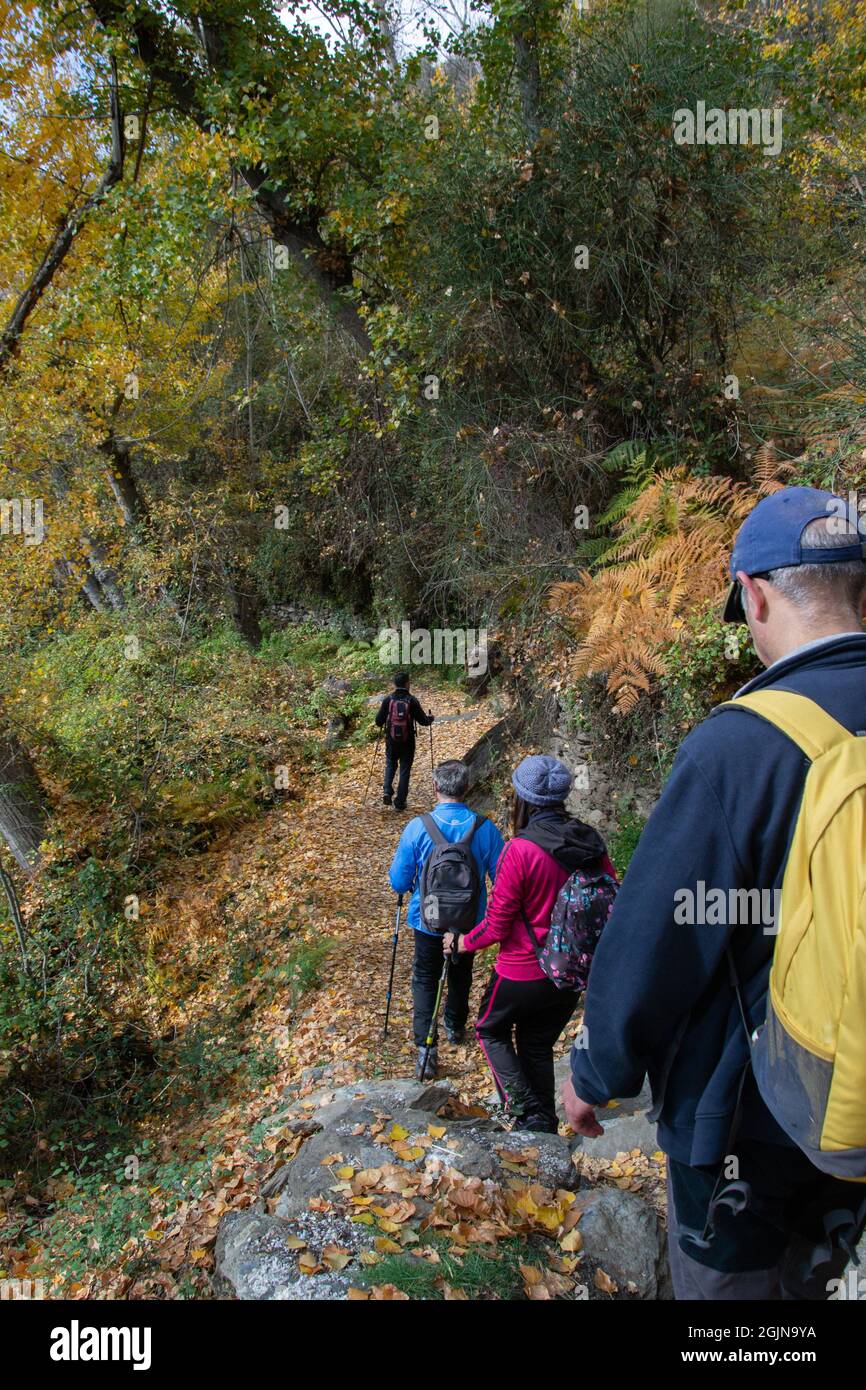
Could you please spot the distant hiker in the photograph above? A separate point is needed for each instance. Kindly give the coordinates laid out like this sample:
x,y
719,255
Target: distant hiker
x,y
751,1023
445,858
523,1012
398,714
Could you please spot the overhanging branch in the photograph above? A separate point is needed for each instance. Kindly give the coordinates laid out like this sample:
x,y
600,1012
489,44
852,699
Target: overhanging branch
x,y
327,268
66,234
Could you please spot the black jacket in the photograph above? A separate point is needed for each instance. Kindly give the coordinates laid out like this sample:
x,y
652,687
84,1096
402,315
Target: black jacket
x,y
660,1001
417,715
571,842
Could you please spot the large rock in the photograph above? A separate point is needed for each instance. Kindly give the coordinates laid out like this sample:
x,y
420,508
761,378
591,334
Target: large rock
x,y
553,1165
623,1236
336,686
337,727
379,1095
622,1134
257,1254
254,1258
352,1120
348,1131
625,1123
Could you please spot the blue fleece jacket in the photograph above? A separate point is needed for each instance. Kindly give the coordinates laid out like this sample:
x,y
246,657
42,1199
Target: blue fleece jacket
x,y
660,1002
415,845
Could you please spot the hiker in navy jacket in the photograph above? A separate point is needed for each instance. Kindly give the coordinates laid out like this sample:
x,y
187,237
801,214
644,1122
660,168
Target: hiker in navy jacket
x,y
661,999
453,817
398,714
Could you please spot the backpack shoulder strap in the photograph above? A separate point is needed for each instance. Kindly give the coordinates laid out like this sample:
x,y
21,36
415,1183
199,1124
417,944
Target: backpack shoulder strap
x,y
803,720
466,837
433,830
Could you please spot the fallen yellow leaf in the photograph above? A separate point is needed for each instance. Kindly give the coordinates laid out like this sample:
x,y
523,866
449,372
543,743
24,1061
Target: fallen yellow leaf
x,y
605,1283
335,1257
385,1246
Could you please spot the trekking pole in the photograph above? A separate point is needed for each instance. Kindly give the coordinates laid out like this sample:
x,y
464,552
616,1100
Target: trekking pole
x,y
432,768
393,962
431,1032
372,762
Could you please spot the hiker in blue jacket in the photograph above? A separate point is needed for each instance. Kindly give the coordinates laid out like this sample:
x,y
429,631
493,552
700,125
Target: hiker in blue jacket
x,y
453,818
661,999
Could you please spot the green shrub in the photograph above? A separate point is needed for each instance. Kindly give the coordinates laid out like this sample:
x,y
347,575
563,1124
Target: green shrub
x,y
623,842
712,660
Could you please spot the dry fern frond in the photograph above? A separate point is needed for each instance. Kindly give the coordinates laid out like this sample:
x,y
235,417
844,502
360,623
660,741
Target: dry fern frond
x,y
669,553
771,470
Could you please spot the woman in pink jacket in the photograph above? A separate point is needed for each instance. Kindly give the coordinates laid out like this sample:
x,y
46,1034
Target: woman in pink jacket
x,y
523,1013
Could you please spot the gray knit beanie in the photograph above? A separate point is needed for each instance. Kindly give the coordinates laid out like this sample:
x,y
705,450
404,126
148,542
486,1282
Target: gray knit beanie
x,y
542,780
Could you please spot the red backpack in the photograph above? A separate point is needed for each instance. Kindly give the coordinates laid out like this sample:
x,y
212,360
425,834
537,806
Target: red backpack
x,y
399,719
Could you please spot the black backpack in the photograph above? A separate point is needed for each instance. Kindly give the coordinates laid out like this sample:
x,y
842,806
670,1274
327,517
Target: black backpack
x,y
450,881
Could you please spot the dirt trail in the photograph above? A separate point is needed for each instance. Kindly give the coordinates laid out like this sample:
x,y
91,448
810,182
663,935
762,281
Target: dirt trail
x,y
327,861
315,870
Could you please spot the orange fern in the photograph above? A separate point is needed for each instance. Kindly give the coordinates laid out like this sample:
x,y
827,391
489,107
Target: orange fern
x,y
668,554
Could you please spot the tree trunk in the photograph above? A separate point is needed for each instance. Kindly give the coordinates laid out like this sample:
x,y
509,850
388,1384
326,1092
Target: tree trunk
x,y
99,585
245,607
122,482
528,72
90,588
22,806
104,574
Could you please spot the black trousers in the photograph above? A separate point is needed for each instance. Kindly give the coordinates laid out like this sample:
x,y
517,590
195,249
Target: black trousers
x,y
518,1023
792,1237
398,755
426,969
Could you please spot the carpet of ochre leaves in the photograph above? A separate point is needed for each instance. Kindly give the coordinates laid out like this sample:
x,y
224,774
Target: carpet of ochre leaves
x,y
319,863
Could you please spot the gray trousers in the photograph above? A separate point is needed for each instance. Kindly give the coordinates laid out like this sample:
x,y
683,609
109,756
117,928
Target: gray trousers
x,y
692,1280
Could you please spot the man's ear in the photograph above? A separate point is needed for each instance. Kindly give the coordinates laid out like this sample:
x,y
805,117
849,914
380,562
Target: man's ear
x,y
754,598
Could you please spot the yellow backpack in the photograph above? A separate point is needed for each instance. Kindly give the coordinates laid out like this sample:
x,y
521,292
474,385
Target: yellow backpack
x,y
809,1057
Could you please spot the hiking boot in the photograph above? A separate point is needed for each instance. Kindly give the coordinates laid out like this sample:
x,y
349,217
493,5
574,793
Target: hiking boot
x,y
399,808
457,1036
536,1124
387,801
432,1064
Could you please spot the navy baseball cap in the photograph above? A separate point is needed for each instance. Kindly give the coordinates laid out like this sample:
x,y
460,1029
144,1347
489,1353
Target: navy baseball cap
x,y
769,538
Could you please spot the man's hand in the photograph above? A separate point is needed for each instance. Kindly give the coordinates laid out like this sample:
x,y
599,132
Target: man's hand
x,y
580,1115
451,943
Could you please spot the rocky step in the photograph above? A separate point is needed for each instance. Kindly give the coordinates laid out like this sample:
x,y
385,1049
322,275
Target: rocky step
x,y
397,1137
625,1122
